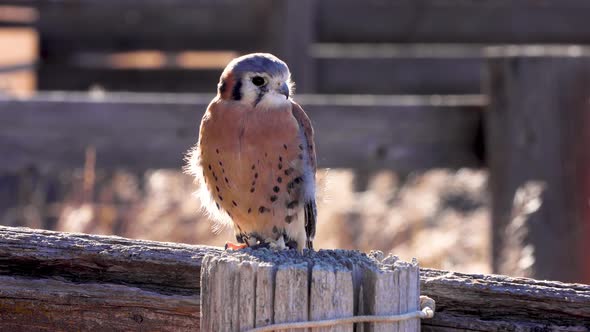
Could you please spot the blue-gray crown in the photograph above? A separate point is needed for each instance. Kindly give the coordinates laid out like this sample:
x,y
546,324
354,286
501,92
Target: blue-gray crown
x,y
258,63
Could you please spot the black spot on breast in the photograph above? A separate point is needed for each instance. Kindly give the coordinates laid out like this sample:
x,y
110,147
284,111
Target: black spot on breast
x,y
298,180
223,170
276,189
292,204
273,198
279,179
220,163
288,171
263,209
249,210
280,166
253,166
253,183
285,146
220,197
209,166
217,204
300,156
289,219
234,203
217,151
252,190
275,229
280,158
256,175
301,147
226,181
229,214
217,188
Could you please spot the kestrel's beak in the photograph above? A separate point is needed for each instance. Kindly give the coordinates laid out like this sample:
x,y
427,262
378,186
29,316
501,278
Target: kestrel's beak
x,y
284,90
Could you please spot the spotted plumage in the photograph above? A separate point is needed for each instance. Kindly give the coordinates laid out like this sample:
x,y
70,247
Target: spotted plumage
x,y
261,142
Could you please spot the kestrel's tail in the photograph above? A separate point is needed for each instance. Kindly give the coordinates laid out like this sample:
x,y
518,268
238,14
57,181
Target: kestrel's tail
x,y
310,222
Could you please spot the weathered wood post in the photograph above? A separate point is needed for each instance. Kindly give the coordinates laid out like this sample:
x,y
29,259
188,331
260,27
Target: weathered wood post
x,y
538,136
255,288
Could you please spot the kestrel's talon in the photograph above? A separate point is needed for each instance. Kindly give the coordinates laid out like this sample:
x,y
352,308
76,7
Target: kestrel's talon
x,y
235,246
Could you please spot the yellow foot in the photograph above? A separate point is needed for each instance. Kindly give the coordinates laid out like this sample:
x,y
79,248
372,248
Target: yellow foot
x,y
235,246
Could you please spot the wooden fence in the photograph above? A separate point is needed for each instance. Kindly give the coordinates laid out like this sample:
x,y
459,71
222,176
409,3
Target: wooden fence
x,y
60,281
335,47
332,46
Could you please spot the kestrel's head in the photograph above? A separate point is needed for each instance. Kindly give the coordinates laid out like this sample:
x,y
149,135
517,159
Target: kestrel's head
x,y
257,79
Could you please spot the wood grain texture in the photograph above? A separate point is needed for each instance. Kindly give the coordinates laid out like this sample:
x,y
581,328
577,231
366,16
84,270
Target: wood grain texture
x,y
49,304
79,264
139,131
309,286
539,115
495,302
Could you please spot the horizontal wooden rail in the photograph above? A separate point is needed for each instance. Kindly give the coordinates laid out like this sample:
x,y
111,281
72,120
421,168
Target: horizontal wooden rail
x,y
60,281
139,131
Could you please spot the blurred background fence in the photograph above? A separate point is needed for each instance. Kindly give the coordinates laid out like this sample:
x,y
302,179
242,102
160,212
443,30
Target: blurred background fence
x,y
390,85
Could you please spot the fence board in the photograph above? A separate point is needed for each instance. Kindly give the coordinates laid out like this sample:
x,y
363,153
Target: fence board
x,y
538,128
154,131
78,264
453,21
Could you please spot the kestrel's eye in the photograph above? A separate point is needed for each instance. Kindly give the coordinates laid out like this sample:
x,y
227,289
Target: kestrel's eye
x,y
258,80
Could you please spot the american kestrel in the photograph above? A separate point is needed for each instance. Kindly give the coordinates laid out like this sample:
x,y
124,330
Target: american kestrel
x,y
255,158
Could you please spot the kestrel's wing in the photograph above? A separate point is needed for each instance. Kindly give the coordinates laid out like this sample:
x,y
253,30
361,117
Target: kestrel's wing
x,y
310,209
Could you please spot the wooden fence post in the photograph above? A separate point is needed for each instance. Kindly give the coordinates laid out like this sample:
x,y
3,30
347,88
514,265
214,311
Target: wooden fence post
x,y
538,136
289,287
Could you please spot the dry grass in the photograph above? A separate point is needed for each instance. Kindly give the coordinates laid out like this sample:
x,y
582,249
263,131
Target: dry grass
x,y
440,217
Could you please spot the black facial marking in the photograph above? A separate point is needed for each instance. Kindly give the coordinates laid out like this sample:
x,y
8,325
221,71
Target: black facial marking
x,y
234,203
276,189
236,93
289,219
222,87
280,179
273,198
292,204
